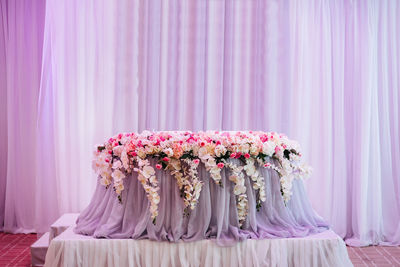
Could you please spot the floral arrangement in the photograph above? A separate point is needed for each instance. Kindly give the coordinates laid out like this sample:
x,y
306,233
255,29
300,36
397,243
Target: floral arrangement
x,y
180,153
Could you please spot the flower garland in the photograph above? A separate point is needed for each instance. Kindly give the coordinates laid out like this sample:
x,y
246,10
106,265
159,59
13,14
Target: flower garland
x,y
147,177
258,180
181,153
193,185
239,190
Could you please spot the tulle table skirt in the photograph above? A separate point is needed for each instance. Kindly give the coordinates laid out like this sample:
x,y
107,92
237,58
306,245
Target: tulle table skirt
x,y
215,216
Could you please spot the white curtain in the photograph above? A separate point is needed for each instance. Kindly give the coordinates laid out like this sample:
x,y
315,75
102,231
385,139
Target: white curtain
x,y
324,72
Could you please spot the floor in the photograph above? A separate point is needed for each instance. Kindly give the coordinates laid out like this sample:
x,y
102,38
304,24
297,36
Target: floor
x,y
374,256
14,251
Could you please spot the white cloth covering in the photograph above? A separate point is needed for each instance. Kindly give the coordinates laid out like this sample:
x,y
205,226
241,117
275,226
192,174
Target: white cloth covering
x,y
39,250
62,223
323,249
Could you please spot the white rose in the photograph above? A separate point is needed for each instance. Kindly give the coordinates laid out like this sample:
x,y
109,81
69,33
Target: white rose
x,y
244,148
269,148
169,152
203,153
220,150
254,150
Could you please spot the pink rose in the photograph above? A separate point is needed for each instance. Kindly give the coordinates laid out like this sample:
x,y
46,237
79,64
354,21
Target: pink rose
x,y
238,155
166,159
220,165
277,149
107,160
158,166
247,155
196,161
266,165
233,155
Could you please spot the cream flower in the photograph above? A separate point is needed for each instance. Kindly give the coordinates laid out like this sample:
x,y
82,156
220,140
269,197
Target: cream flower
x,y
203,153
117,175
117,165
125,159
239,189
118,188
118,150
220,150
148,171
169,152
176,164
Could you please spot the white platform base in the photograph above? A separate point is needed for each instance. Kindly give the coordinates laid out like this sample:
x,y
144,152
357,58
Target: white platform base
x,y
39,248
324,249
62,223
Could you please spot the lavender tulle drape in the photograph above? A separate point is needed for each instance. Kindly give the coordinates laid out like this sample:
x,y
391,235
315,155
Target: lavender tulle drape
x,y
326,73
215,216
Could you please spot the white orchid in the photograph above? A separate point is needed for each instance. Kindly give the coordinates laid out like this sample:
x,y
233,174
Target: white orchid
x,y
117,175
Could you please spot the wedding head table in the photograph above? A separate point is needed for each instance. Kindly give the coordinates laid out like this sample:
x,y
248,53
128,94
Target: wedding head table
x,y
190,186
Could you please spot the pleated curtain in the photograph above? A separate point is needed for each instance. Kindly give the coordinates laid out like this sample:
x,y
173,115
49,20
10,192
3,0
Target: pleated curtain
x,y
326,73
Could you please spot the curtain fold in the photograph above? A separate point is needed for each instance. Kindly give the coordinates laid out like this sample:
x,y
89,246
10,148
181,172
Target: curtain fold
x,y
324,72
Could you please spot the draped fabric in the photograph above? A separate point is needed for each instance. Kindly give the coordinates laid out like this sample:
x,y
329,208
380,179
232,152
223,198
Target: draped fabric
x,y
326,73
214,217
21,43
325,249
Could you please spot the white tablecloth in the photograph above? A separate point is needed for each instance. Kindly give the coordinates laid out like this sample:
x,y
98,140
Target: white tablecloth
x,y
323,249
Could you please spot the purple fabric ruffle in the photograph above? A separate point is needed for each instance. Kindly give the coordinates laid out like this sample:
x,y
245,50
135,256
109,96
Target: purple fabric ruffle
x,y
215,216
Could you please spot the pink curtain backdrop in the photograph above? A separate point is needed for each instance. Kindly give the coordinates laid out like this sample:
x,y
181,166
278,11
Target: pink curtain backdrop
x,y
326,73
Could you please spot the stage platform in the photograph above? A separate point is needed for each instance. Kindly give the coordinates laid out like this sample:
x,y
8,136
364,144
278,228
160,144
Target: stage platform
x,y
39,248
323,249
